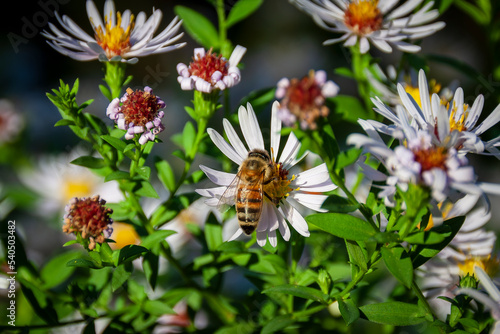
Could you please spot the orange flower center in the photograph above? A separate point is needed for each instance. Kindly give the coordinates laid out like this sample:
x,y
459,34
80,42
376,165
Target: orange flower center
x,y
140,107
115,41
363,16
434,157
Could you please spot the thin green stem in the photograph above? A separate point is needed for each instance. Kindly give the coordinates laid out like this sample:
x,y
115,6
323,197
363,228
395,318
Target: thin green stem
x,y
422,299
221,15
359,64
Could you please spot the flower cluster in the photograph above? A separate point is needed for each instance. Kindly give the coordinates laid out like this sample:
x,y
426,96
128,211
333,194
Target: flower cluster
x,y
209,71
304,99
88,217
122,37
138,112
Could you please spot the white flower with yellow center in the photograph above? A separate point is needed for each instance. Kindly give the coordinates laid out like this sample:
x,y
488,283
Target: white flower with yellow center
x,y
57,181
121,37
451,124
281,194
374,21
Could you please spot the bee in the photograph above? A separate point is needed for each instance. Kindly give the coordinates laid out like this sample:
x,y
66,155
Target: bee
x,y
246,190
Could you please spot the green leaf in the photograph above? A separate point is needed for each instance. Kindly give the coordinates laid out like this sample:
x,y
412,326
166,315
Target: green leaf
x,y
105,91
129,253
343,225
444,5
165,173
213,233
144,172
347,158
422,253
119,144
277,324
399,264
339,204
120,275
393,313
83,263
117,175
198,27
350,108
357,256
63,122
349,310
427,237
241,10
157,307
89,162
231,247
188,135
146,190
69,243
299,291
150,266
56,271
156,237
344,71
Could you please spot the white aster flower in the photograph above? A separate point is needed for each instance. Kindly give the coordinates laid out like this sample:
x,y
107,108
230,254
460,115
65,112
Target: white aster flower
x,y
417,161
122,37
304,99
451,124
57,181
11,122
282,194
209,71
373,21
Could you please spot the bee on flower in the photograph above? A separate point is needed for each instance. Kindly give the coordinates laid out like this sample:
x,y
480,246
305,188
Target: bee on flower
x,y
263,191
120,37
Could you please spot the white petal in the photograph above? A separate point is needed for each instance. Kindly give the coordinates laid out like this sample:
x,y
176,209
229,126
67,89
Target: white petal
x,y
250,128
275,129
273,240
290,151
234,139
311,201
283,227
425,99
491,120
261,238
316,179
364,46
295,219
218,177
225,148
236,234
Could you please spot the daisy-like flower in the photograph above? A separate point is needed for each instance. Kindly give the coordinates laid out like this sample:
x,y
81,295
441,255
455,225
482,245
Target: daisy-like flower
x,y
451,124
89,217
11,122
123,235
209,71
56,180
122,37
491,300
281,193
304,99
373,21
418,161
138,112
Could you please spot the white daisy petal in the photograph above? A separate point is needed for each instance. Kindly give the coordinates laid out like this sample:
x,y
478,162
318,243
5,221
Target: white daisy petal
x,y
217,177
227,149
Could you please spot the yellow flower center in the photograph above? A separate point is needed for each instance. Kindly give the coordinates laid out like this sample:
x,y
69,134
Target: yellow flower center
x,y
363,16
76,188
279,187
434,87
460,123
115,41
124,235
434,157
487,263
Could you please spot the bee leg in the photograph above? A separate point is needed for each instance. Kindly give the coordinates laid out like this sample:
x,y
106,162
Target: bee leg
x,y
270,180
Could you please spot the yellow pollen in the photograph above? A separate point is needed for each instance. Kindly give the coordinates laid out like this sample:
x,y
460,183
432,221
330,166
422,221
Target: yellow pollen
x,y
115,41
460,123
434,88
363,16
488,264
279,186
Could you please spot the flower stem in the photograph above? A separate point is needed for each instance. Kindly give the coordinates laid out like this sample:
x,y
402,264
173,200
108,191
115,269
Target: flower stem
x,y
115,78
360,62
422,300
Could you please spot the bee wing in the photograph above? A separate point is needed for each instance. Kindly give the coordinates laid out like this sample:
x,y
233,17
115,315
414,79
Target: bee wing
x,y
228,197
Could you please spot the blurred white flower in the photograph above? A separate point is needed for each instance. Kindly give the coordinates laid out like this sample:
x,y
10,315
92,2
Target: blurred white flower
x,y
374,21
11,122
57,181
122,37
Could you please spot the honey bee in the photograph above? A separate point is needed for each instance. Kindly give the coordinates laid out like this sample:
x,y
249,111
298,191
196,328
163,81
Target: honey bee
x,y
246,190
